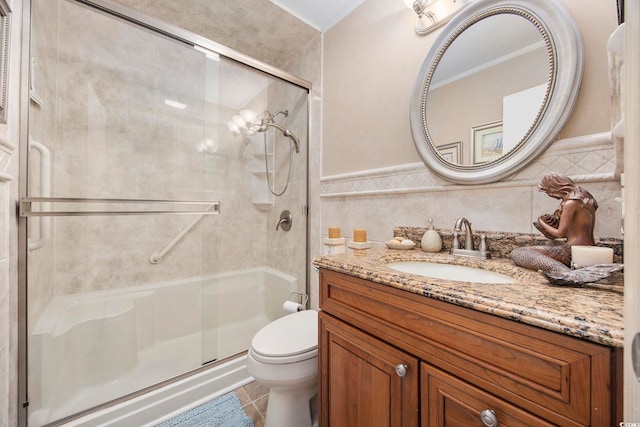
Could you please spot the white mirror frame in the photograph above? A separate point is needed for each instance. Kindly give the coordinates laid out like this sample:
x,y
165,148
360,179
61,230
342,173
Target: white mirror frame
x,y
564,44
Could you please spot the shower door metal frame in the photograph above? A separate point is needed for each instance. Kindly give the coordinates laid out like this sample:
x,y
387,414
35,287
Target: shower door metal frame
x,y
168,30
192,39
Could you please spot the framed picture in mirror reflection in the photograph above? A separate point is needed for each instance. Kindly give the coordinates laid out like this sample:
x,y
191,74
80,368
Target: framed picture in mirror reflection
x,y
451,153
486,141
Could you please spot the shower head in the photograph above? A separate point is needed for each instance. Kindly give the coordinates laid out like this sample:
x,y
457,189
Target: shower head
x,y
294,139
268,121
246,124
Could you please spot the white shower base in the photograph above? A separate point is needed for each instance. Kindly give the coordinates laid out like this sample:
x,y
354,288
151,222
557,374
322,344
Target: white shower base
x,y
161,404
91,348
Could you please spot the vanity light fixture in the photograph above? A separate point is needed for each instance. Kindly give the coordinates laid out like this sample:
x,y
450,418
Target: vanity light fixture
x,y
244,123
434,13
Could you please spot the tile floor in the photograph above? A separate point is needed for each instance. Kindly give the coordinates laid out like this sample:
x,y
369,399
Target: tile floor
x,y
254,397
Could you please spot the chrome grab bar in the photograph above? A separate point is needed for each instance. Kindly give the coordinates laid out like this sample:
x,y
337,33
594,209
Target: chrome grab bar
x,y
26,205
156,257
44,224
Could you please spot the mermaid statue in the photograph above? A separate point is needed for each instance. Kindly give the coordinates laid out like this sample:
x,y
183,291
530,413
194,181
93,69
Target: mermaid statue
x,y
574,220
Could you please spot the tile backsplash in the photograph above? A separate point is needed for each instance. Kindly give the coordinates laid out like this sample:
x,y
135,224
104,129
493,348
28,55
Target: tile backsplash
x,y
501,244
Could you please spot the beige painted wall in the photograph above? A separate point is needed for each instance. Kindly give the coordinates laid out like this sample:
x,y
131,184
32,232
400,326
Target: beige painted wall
x,y
371,61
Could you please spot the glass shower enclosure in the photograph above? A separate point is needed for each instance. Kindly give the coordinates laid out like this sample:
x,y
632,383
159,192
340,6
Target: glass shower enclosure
x,y
151,206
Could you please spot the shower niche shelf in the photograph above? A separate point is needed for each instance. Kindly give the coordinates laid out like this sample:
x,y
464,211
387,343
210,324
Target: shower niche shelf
x,y
261,197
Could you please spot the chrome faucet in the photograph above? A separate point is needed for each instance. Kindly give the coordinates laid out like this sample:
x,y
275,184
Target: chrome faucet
x,y
468,242
468,250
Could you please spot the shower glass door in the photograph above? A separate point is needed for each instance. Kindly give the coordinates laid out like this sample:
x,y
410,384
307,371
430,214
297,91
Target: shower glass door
x,y
122,123
258,264
155,246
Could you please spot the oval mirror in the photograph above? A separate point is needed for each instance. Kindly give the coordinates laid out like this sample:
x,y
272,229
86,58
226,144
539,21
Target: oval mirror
x,y
495,89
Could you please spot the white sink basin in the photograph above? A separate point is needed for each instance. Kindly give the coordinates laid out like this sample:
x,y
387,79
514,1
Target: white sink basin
x,y
450,272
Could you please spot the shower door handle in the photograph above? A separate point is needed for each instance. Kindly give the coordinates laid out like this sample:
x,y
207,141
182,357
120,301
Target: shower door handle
x,y
180,207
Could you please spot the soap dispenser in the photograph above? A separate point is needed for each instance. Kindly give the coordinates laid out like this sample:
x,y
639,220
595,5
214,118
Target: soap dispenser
x,y
431,241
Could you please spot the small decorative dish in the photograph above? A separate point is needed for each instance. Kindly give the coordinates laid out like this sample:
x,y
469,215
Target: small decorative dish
x,y
400,246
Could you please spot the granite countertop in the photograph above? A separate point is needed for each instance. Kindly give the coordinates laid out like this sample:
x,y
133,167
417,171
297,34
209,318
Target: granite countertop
x,y
593,313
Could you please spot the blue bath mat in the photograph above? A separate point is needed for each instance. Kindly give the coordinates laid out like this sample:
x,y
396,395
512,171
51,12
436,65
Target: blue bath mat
x,y
224,411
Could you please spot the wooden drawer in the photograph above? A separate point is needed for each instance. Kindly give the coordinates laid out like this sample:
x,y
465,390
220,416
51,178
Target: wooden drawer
x,y
564,380
450,402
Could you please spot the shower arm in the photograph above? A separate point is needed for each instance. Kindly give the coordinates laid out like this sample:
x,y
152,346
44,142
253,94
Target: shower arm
x,y
272,117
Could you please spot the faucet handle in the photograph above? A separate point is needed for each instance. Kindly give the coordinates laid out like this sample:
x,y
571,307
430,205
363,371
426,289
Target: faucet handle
x,y
285,221
456,243
483,243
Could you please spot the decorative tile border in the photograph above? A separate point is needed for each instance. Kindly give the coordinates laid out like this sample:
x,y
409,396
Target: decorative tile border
x,y
585,159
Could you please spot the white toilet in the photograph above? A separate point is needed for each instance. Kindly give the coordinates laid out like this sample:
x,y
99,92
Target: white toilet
x,y
284,357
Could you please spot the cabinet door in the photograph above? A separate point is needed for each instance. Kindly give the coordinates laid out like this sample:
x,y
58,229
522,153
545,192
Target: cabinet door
x,y
364,381
450,402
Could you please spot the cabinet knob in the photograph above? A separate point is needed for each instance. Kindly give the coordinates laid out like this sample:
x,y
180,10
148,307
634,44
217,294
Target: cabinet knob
x,y
401,370
488,418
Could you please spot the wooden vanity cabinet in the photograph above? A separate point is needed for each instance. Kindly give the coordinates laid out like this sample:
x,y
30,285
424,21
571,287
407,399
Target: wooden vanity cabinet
x,y
456,365
449,401
362,387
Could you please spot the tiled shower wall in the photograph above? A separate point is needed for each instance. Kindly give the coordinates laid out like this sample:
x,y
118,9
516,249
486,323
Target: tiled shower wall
x,y
120,141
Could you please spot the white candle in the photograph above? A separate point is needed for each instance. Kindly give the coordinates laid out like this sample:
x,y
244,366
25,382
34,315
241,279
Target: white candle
x,y
584,256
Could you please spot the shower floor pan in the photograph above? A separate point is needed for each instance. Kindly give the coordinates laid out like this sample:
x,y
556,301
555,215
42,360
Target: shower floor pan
x,y
91,348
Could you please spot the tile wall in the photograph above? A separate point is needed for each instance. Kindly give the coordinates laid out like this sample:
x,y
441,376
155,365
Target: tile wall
x,y
409,195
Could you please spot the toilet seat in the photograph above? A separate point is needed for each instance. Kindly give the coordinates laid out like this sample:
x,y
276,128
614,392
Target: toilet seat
x,y
292,338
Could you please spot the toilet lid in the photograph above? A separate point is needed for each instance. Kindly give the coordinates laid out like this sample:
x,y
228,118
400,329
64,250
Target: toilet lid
x,y
292,334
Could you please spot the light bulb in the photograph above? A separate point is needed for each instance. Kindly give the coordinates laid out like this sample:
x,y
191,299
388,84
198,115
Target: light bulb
x,y
421,6
239,121
249,116
232,126
235,130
